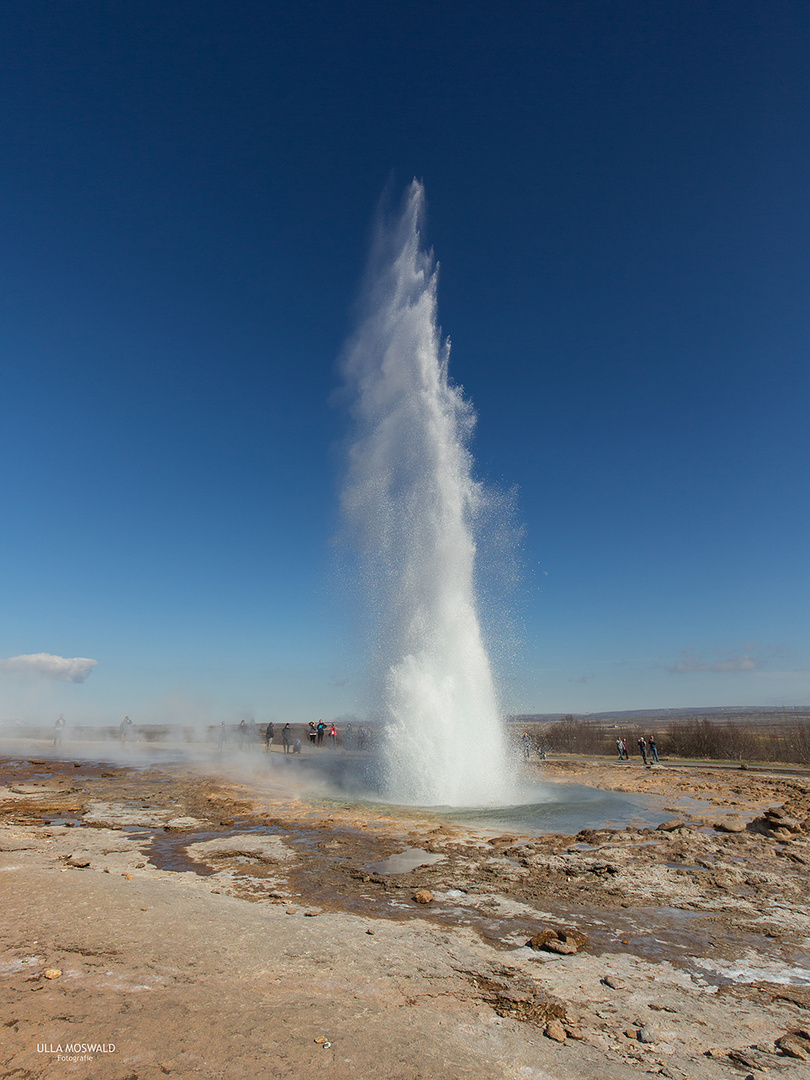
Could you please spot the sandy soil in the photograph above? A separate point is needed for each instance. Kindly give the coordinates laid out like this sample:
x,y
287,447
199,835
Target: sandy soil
x,y
208,921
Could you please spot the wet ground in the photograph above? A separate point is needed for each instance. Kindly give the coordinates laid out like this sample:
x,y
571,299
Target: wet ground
x,y
720,896
658,917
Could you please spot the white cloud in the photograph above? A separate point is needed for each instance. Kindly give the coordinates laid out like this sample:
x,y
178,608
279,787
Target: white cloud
x,y
691,662
46,666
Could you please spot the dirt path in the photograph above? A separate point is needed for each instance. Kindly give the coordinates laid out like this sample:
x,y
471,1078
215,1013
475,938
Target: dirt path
x,y
204,926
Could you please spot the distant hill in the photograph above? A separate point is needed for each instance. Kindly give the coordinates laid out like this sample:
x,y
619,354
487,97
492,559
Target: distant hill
x,y
739,713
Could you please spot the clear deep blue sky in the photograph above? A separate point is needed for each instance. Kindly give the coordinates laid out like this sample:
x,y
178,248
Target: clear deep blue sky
x,y
618,199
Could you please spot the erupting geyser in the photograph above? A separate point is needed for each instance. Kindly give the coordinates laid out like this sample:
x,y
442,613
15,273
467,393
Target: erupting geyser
x,y
413,507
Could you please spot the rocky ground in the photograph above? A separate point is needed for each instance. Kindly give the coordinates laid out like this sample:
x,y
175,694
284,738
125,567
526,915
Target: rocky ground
x,y
199,920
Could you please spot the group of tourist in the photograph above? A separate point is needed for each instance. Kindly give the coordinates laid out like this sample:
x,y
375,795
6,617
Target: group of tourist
x,y
648,751
246,734
317,735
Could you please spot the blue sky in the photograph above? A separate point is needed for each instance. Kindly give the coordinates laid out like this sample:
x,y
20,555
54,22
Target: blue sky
x,y
617,196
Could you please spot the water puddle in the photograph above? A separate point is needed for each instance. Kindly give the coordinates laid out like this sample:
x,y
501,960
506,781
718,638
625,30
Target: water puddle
x,y
404,861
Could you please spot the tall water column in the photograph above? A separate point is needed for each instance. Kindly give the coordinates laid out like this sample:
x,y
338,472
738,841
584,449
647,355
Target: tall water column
x,y
413,507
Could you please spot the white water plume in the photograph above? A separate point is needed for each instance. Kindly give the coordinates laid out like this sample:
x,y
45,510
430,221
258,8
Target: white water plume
x,y
413,504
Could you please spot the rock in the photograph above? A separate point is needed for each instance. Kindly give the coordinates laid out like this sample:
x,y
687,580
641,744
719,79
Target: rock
x,y
563,948
52,973
555,1030
647,1034
782,821
291,910
671,826
614,982
423,896
732,823
181,823
795,1044
781,834
563,942
81,862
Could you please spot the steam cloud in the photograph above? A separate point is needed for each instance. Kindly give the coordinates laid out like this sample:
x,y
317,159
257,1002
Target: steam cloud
x,y
47,666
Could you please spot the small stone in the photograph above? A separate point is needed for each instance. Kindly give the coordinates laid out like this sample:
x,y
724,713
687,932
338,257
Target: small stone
x,y
52,973
647,1034
793,1045
291,910
310,914
671,826
563,948
81,862
227,821
555,1030
614,982
563,942
370,932
732,823
781,834
423,896
321,1040
631,1033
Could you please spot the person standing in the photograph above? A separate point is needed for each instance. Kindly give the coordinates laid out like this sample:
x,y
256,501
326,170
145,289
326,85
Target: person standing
x,y
269,735
525,740
642,746
285,738
625,750
240,734
124,729
333,736
620,748
320,730
653,748
59,730
221,738
313,734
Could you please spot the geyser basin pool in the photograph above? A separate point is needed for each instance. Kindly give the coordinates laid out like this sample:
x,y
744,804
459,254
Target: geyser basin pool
x,y
545,807
562,808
